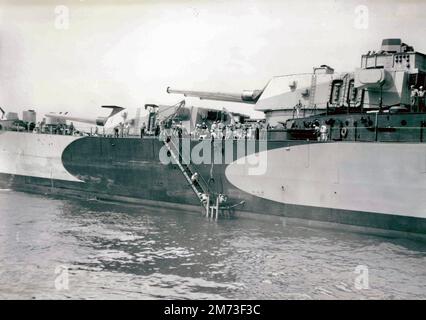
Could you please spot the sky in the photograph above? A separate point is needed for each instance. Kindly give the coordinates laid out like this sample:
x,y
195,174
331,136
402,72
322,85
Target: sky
x,y
76,55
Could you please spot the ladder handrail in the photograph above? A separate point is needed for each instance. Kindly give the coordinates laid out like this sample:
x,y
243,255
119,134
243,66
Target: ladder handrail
x,y
183,171
190,167
200,190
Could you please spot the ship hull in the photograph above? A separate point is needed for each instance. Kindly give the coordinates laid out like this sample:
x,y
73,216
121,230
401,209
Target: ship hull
x,y
374,185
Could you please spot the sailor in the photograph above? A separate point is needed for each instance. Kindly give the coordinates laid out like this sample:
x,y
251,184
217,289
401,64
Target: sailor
x,y
317,131
157,130
127,129
249,132
43,125
121,126
414,99
221,126
204,133
194,177
60,129
179,131
228,132
421,99
143,128
298,108
218,130
203,197
116,132
36,128
197,131
71,128
214,126
240,133
323,133
162,129
173,128
257,130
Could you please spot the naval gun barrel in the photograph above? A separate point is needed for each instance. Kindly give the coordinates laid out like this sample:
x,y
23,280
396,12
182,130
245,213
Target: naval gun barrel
x,y
247,96
95,121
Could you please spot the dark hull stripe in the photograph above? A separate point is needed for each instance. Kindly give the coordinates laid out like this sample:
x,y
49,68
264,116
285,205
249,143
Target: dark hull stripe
x,y
284,213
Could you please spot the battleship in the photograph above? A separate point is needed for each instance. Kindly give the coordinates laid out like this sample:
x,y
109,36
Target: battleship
x,y
341,148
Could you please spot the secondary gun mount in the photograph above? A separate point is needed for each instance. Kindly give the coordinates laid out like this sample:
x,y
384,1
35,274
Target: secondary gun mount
x,y
99,121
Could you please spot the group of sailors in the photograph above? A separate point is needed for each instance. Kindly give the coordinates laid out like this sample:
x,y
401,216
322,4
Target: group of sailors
x,y
61,129
122,130
418,99
204,198
65,129
217,130
321,132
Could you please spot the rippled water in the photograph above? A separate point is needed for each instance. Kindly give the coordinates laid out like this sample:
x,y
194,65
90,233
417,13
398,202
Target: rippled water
x,y
55,248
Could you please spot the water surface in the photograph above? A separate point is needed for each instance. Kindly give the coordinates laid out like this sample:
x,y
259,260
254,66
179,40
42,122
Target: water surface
x,y
72,249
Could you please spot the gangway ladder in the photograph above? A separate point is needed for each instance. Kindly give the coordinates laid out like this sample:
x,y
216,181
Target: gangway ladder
x,y
200,189
213,210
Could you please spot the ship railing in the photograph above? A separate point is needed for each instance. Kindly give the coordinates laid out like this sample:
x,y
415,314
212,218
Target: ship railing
x,y
362,133
374,132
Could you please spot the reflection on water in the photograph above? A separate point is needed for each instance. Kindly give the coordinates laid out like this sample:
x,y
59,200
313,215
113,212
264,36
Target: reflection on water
x,y
111,251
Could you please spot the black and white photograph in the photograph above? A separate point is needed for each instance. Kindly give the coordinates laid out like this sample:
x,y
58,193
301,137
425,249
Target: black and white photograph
x,y
211,150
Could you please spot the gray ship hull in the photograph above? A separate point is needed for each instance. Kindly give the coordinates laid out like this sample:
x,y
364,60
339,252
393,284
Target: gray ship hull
x,y
374,185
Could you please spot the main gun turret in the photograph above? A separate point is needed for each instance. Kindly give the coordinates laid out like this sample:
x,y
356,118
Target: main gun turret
x,y
382,82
